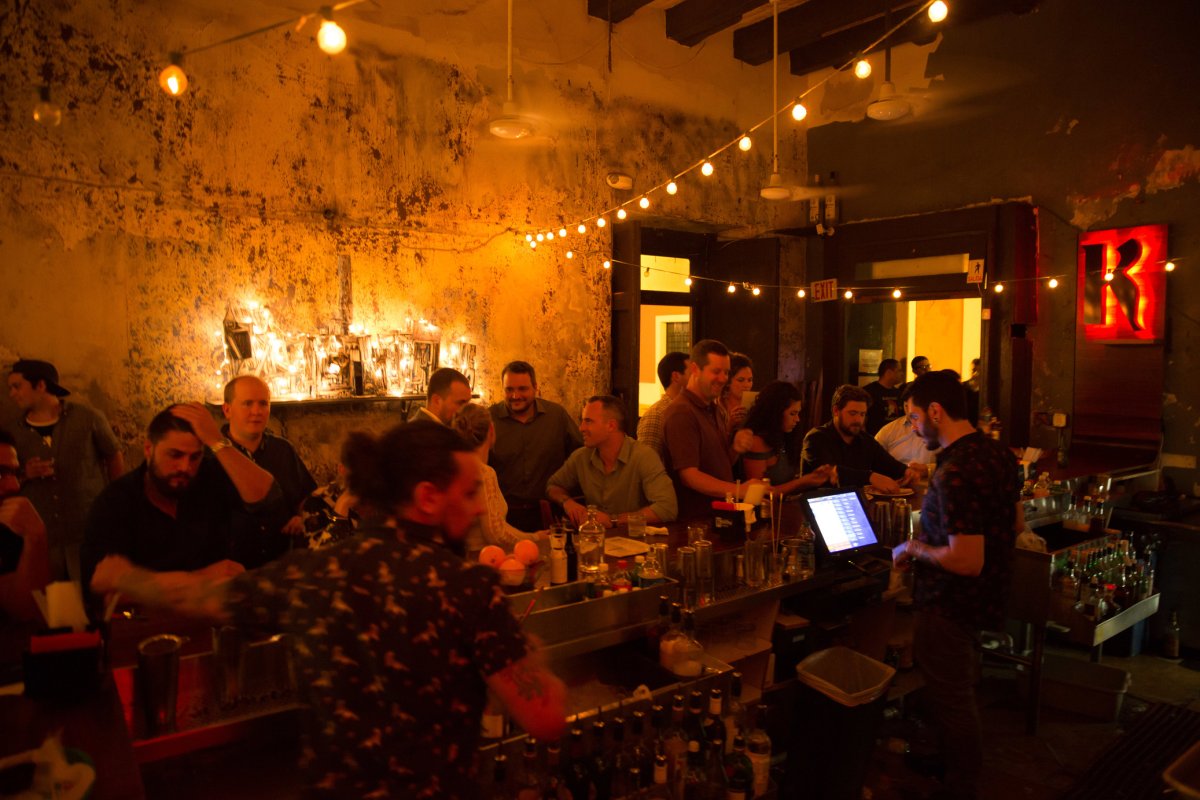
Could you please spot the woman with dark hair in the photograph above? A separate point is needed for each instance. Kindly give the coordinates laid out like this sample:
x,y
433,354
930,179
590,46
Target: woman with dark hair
x,y
774,452
741,380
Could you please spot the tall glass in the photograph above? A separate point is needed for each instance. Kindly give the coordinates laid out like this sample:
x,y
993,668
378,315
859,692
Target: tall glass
x,y
755,567
635,525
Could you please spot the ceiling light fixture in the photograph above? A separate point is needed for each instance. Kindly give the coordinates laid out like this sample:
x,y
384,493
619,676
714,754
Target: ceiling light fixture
x,y
173,80
706,169
775,188
889,105
330,37
46,111
938,10
510,124
862,68
745,143
672,188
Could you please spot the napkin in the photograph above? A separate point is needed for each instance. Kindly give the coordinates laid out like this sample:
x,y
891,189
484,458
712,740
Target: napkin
x,y
64,606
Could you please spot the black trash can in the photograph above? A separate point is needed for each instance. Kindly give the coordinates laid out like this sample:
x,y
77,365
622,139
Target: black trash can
x,y
839,704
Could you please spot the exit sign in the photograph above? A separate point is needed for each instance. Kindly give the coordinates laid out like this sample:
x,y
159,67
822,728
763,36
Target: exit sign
x,y
824,290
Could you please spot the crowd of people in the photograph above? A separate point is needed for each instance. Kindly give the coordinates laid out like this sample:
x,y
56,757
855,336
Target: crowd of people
x,y
373,570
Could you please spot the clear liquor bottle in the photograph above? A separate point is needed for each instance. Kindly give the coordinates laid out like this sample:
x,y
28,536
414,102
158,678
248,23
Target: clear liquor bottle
x,y
758,749
602,764
735,711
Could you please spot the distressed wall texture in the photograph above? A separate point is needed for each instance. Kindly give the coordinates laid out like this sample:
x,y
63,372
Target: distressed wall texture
x,y
1079,107
126,230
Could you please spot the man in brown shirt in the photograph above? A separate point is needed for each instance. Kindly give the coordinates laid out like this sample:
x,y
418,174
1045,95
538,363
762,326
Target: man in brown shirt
x,y
697,451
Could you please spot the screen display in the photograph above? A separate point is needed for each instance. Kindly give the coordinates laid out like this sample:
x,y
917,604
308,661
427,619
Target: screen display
x,y
841,521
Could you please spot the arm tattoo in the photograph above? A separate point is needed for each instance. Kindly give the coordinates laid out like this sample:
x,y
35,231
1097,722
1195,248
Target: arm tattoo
x,y
527,679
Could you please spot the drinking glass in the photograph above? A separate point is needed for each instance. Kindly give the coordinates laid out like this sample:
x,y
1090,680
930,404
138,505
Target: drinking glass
x,y
755,568
697,533
774,563
635,526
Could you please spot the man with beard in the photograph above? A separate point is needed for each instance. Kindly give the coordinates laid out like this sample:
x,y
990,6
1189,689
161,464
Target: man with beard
x,y
176,511
969,523
696,444
858,460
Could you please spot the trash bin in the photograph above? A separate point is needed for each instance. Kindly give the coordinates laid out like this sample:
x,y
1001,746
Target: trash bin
x,y
839,704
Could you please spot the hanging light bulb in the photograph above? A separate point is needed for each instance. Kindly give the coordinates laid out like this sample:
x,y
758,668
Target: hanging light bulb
x,y
1169,266
731,288
330,38
706,169
601,222
582,228
745,143
562,233
541,237
938,10
173,80
1052,283
801,293
644,202
1108,276
570,254
672,188
687,281
999,287
621,214
799,112
607,264
533,245
756,291
529,237
896,293
46,111
849,295
549,236
862,68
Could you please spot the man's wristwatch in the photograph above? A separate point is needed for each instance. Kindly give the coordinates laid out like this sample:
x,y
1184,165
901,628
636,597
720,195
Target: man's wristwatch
x,y
220,445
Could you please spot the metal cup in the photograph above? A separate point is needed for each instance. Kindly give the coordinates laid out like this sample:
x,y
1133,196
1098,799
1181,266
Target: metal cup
x,y
157,681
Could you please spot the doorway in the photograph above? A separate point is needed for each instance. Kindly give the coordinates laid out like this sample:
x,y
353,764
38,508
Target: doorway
x,y
664,327
946,331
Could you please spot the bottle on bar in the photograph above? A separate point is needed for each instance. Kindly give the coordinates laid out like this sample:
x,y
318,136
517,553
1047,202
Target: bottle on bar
x,y
693,724
758,749
739,772
620,580
636,752
716,782
735,712
669,641
1172,640
554,778
714,723
673,744
492,723
572,558
602,764
499,789
633,778
660,788
687,658
694,781
528,784
578,773
621,759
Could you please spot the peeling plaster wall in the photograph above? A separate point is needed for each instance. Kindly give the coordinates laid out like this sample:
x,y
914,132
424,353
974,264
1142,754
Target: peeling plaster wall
x,y
125,231
1087,108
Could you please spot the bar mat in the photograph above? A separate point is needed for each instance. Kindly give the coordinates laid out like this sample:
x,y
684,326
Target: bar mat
x,y
1131,767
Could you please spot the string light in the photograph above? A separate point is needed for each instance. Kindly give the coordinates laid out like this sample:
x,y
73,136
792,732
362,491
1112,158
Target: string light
x,y
549,236
570,254
672,188
529,237
756,291
938,10
999,287
1108,276
541,237
644,202
706,169
799,112
896,293
745,143
621,214
849,295
687,281
731,288
1169,266
582,228
533,245
173,80
862,68
607,264
801,293
330,38
601,222
1052,283
562,233
46,111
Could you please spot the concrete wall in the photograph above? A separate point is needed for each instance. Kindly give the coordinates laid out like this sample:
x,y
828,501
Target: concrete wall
x,y
125,230
1087,109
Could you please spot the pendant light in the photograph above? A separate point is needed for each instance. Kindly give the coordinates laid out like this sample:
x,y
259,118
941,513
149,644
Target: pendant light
x,y
510,124
890,105
775,188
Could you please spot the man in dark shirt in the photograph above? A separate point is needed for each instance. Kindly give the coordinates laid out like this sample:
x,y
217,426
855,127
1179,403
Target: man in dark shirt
x,y
402,638
70,454
885,396
696,446
448,391
969,524
533,439
858,459
176,510
258,538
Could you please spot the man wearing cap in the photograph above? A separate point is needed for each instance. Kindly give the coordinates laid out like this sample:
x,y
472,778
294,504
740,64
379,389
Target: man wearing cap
x,y
70,453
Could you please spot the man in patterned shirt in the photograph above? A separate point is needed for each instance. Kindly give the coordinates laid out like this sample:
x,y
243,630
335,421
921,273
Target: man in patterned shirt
x,y
969,523
397,638
672,373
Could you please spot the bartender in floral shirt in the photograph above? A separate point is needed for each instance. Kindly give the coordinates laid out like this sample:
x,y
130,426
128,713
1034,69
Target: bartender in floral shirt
x,y
969,524
397,638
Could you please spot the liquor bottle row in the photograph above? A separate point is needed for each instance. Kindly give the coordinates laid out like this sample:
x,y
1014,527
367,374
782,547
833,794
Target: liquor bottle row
x,y
1104,577
723,753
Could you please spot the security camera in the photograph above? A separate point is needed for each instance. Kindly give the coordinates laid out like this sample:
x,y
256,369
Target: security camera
x,y
619,180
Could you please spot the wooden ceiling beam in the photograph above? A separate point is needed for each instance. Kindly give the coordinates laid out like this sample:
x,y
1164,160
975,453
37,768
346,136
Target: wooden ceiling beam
x,y
693,21
621,9
808,23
